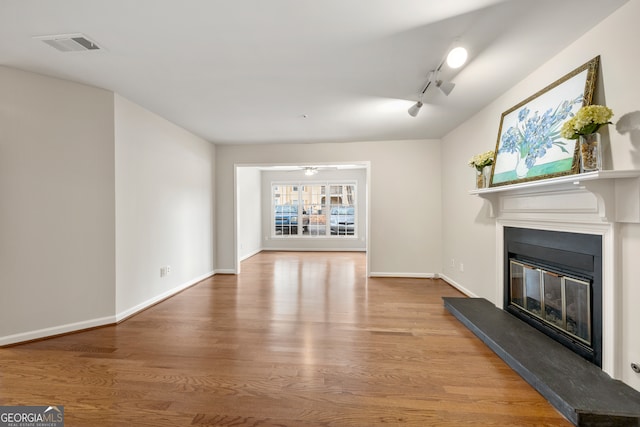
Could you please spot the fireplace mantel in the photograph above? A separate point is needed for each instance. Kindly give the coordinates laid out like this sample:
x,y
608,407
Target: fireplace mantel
x,y
591,203
601,196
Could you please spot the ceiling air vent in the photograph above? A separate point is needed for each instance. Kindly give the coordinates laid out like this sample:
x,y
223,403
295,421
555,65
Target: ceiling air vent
x,y
69,42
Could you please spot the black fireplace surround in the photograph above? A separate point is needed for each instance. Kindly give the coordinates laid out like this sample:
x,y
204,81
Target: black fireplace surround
x,y
575,256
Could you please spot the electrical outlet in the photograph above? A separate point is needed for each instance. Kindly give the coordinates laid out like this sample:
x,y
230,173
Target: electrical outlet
x,y
453,263
461,267
168,269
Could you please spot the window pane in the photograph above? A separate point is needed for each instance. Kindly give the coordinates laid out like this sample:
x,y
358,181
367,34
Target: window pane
x,y
286,215
342,210
313,196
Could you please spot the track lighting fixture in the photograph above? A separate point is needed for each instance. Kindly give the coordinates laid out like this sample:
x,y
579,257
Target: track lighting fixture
x,y
455,59
445,87
415,108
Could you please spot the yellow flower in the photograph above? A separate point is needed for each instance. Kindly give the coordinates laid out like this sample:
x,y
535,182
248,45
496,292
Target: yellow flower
x,y
587,120
481,160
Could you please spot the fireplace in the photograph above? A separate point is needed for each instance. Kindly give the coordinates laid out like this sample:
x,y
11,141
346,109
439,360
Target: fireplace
x,y
553,281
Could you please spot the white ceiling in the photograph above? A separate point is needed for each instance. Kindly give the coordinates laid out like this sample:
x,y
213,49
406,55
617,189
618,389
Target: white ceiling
x,y
248,71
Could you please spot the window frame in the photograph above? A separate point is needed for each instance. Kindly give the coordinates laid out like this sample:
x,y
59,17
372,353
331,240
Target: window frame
x,y
278,187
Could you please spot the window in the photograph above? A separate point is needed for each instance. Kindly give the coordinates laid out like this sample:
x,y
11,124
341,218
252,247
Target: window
x,y
314,210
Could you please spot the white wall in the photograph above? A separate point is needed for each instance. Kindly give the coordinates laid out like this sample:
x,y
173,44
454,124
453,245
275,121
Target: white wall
x,y
347,243
97,195
405,214
468,232
57,211
249,197
164,207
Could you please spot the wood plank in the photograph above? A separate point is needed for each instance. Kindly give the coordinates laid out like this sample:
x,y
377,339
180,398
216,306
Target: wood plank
x,y
297,339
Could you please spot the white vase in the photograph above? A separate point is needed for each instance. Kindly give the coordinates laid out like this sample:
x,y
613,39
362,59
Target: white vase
x,y
479,179
483,177
486,173
590,152
521,168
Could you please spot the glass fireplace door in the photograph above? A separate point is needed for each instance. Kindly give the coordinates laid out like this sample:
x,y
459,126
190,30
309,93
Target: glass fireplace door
x,y
561,301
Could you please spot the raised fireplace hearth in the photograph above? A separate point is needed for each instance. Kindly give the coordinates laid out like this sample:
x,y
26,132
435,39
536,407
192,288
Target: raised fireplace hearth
x,y
553,281
581,391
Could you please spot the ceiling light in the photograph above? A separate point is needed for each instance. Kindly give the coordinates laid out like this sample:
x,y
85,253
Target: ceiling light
x,y
309,171
445,87
415,109
457,57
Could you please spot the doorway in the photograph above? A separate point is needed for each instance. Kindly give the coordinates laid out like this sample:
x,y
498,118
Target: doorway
x,y
255,225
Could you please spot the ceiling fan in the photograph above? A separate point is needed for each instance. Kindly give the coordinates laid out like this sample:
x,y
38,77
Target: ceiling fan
x,y
313,170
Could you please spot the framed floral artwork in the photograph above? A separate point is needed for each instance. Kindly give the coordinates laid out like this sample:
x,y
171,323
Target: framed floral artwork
x,y
529,145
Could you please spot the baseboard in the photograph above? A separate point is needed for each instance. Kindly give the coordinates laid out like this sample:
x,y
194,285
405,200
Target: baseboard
x,y
158,298
250,254
458,286
225,271
404,275
56,330
94,323
314,250
450,281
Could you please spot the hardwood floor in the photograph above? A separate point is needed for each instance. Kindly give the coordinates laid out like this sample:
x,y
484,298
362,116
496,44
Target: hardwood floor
x,y
297,339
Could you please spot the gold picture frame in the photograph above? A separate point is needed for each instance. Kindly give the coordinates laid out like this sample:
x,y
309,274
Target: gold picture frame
x,y
529,145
